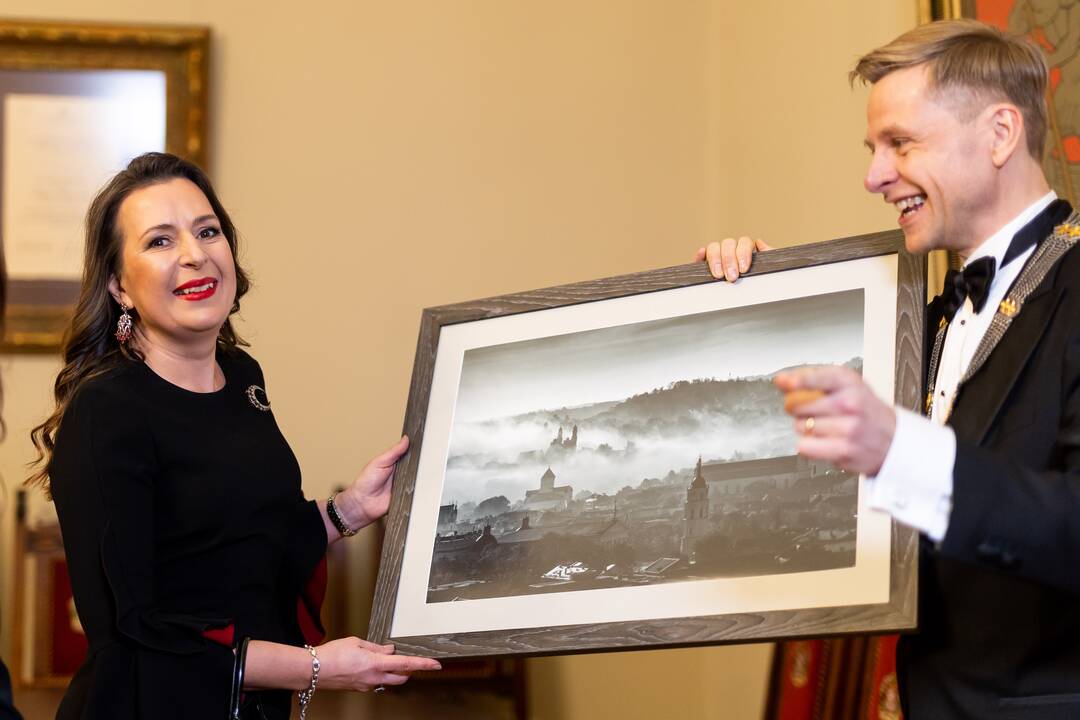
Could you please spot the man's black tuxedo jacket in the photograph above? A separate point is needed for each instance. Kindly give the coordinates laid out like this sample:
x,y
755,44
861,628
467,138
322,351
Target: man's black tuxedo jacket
x,y
999,606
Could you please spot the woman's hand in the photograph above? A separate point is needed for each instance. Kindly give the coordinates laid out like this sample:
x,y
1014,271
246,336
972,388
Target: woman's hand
x,y
368,498
354,664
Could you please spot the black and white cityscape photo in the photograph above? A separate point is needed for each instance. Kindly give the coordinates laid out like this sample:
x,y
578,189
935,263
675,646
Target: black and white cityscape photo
x,y
647,453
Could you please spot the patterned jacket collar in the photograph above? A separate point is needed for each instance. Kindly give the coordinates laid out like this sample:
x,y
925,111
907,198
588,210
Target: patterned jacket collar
x,y
1018,323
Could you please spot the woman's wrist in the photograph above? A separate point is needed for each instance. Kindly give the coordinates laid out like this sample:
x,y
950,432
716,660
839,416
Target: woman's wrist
x,y
273,665
307,693
349,511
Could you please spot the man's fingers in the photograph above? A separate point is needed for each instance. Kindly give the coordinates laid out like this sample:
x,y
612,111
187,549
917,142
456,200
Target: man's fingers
x,y
830,449
824,427
822,377
727,257
712,258
731,257
794,399
744,253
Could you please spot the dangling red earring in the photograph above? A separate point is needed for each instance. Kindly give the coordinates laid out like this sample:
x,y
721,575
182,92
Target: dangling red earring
x,y
123,325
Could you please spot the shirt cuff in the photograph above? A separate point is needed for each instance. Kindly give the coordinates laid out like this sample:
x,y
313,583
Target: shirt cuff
x,y
915,482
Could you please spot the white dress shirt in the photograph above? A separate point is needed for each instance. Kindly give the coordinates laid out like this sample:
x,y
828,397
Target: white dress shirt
x,y
915,482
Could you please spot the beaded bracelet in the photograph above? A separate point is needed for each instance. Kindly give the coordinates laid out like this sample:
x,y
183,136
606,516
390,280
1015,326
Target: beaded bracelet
x,y
306,695
336,519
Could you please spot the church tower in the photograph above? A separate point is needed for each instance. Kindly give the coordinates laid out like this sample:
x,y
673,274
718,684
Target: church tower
x,y
696,514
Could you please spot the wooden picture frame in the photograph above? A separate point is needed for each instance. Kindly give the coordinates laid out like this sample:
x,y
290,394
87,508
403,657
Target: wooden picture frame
x,y
897,287
48,58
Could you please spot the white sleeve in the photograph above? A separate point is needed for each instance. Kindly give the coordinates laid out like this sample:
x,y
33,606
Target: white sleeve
x,y
915,482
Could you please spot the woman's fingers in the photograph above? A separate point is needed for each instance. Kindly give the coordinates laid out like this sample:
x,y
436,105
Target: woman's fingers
x,y
375,647
392,454
403,664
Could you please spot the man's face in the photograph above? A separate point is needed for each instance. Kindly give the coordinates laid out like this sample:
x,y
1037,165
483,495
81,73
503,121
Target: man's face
x,y
933,166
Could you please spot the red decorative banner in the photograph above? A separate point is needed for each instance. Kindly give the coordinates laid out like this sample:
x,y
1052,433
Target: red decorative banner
x,y
801,681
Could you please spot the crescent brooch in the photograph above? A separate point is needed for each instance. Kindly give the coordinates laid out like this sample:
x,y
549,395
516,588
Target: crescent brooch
x,y
256,396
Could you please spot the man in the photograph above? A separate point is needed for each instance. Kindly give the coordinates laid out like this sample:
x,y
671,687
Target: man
x,y
956,124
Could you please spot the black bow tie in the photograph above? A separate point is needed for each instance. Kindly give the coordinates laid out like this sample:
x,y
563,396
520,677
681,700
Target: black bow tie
x,y
973,282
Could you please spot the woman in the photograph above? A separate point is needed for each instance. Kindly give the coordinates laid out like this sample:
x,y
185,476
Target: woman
x,y
184,524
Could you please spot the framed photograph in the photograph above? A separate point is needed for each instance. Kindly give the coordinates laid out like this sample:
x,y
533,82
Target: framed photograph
x,y
77,102
607,465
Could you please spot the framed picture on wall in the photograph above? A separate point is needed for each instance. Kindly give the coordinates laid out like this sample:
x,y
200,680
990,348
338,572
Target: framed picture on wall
x,y
77,102
607,465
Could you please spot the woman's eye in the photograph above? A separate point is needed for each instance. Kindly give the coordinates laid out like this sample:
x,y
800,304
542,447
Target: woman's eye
x,y
159,241
210,232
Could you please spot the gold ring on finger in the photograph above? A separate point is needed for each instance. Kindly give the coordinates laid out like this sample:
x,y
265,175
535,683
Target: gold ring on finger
x,y
808,425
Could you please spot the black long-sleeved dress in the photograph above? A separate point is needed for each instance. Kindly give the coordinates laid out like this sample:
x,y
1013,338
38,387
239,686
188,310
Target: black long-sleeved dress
x,y
185,529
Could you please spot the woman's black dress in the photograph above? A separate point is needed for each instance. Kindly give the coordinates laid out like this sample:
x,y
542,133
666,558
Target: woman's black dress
x,y
185,529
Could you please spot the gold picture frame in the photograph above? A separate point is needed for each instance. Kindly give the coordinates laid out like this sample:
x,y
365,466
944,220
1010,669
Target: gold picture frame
x,y
38,310
943,10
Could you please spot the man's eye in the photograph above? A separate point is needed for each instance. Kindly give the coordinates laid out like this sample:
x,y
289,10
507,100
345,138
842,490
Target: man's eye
x,y
209,232
901,143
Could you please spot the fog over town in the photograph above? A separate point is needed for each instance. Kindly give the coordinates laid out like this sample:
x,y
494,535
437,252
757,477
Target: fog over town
x,y
616,383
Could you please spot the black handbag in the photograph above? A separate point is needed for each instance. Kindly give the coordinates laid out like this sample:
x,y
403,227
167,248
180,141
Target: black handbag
x,y
243,706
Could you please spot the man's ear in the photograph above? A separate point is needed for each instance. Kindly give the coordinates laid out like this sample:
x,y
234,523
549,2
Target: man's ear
x,y
1008,131
118,293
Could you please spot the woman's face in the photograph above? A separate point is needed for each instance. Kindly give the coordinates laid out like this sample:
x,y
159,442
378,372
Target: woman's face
x,y
177,268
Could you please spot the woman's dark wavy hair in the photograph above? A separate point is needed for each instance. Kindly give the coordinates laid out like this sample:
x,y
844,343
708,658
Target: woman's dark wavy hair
x,y
90,348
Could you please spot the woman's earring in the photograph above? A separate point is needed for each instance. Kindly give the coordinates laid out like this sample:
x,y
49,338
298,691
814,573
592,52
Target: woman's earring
x,y
123,325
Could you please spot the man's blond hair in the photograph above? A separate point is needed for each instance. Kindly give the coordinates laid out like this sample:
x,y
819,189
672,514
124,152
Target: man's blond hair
x,y
980,61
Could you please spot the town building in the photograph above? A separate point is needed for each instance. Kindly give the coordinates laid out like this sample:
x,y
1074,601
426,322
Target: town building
x,y
549,496
696,512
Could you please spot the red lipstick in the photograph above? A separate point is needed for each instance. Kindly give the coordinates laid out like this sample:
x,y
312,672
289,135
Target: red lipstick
x,y
207,287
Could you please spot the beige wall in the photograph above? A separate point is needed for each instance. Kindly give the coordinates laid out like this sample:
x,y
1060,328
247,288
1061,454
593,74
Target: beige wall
x,y
380,157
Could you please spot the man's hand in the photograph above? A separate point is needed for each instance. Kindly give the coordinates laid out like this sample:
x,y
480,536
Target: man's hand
x,y
846,425
730,257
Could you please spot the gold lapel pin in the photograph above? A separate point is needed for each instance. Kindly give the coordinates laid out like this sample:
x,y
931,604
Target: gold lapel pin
x,y
1008,307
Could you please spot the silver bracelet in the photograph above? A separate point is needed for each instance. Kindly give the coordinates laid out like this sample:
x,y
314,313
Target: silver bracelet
x,y
306,695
